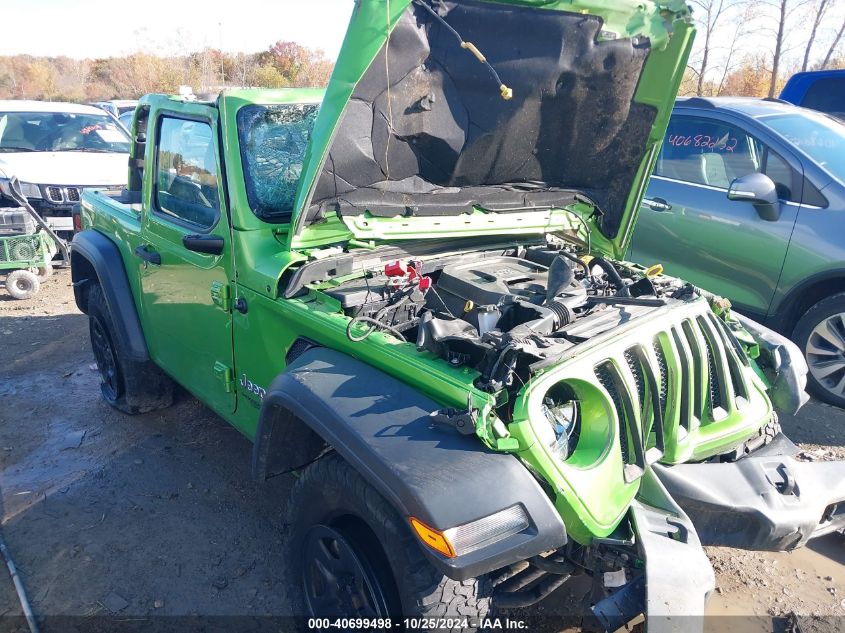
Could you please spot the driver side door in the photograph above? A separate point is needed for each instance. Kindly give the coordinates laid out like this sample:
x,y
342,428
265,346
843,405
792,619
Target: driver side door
x,y
185,259
688,224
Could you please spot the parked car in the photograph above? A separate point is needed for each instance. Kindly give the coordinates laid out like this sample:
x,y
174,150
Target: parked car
x,y
822,90
57,150
747,200
408,289
126,119
116,107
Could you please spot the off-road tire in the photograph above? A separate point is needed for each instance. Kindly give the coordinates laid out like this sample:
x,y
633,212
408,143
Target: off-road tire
x,y
764,435
331,492
130,386
22,284
835,304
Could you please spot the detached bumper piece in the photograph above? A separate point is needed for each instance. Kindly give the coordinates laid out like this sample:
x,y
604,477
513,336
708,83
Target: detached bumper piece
x,y
783,364
678,578
766,501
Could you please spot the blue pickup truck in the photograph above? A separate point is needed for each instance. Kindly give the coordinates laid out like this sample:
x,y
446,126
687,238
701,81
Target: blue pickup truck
x,y
822,90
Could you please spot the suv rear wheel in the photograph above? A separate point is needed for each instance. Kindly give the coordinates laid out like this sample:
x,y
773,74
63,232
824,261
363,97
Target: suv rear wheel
x,y
131,386
820,334
351,555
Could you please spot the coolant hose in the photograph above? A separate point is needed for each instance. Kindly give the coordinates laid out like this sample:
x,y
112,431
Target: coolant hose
x,y
576,260
613,274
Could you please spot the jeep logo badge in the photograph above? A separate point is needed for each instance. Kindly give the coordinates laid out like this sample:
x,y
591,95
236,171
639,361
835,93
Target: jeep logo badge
x,y
250,386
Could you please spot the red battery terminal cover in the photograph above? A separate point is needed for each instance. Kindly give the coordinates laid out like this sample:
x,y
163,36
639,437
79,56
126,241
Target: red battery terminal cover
x,y
411,272
395,269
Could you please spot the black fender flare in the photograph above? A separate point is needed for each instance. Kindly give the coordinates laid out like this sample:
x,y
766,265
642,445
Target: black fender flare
x,y
93,252
382,427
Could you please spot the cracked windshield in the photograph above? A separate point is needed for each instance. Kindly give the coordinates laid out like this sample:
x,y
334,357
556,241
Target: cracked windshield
x,y
273,144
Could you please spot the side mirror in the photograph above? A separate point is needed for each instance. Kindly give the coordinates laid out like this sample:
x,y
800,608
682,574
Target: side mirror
x,y
759,190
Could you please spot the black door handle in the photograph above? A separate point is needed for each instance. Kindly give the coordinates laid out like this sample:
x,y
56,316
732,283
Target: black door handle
x,y
151,257
209,244
657,204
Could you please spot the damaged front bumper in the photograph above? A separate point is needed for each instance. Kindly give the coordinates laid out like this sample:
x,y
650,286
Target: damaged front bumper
x,y
677,578
767,501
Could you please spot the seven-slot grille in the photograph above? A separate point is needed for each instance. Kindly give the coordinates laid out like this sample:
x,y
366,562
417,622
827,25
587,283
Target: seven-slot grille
x,y
690,374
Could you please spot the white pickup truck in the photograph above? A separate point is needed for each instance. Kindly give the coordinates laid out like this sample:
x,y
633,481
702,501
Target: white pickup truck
x,y
56,150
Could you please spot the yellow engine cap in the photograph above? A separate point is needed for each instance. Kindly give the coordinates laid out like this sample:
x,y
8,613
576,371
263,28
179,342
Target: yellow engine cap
x,y
654,271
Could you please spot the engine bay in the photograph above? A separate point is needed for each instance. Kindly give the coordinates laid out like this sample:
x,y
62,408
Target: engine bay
x,y
505,313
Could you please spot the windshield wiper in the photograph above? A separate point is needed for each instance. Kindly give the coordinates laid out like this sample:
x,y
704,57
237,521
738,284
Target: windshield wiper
x,y
12,148
96,150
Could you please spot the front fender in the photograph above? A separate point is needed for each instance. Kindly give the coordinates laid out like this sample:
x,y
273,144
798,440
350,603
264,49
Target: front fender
x,y
95,255
383,428
784,365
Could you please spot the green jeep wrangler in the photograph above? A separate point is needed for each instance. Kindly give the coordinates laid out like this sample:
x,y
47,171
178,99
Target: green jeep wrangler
x,y
405,289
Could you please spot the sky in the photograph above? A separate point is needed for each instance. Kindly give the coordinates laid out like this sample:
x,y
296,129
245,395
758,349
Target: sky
x,y
96,28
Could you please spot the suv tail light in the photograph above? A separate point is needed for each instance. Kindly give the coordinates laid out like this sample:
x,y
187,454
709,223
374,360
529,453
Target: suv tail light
x,y
77,218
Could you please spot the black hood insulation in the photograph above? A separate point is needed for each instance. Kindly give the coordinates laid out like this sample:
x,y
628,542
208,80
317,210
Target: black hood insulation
x,y
449,140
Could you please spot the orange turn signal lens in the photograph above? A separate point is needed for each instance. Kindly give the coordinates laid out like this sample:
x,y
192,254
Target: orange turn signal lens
x,y
433,538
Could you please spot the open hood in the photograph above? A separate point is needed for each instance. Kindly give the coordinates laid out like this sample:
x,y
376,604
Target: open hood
x,y
462,117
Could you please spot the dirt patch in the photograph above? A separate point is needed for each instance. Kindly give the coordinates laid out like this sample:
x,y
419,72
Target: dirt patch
x,y
109,513
156,514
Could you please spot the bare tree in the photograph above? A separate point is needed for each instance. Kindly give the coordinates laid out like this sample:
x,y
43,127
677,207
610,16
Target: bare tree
x,y
710,14
833,45
778,52
781,13
820,9
245,65
733,47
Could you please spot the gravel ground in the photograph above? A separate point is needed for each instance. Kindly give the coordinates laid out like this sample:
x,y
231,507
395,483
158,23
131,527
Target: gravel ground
x,y
156,514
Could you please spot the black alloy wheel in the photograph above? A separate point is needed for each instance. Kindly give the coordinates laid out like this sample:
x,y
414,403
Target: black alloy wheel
x,y
338,579
106,358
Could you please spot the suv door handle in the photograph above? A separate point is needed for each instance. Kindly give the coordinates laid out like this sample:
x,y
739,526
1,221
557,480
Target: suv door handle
x,y
151,257
657,204
208,244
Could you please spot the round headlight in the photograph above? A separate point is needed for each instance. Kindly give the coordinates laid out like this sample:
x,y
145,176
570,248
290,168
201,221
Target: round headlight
x,y
562,412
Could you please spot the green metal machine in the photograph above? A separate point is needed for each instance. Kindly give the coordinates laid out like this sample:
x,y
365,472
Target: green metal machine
x,y
27,247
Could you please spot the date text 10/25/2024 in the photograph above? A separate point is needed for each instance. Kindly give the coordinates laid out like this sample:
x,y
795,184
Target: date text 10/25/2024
x,y
417,624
